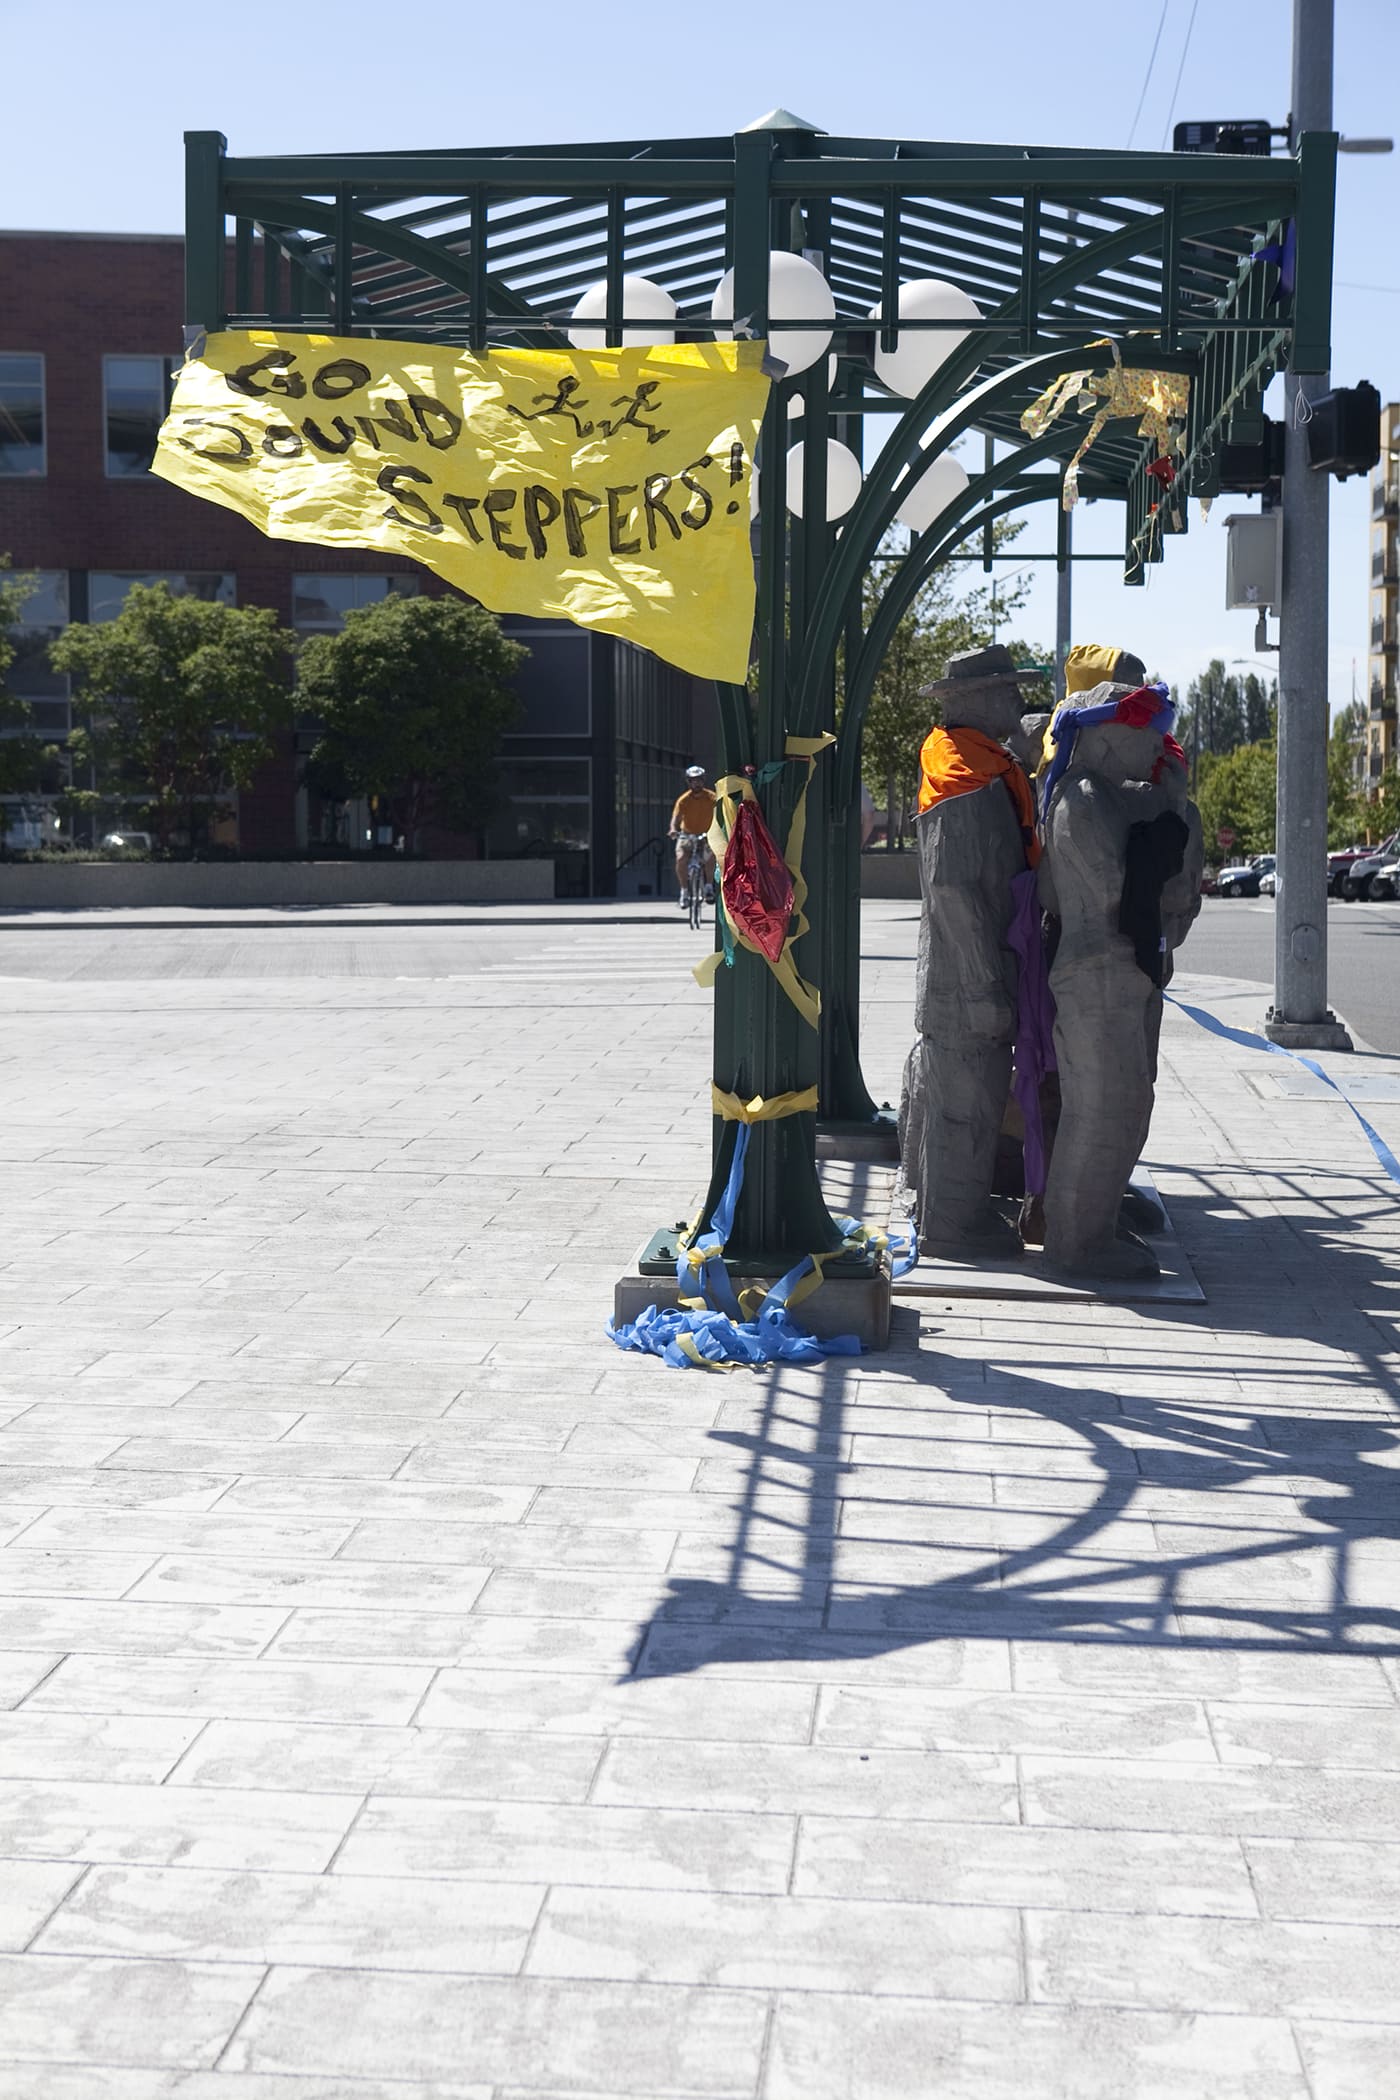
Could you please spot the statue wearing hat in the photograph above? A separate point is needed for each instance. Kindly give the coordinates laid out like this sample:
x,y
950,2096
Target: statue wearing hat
x,y
976,836
1122,873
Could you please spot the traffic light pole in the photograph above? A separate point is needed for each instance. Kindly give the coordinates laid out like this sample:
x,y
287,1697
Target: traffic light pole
x,y
1300,1017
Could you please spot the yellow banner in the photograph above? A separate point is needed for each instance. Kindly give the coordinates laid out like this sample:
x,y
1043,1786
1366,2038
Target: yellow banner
x,y
606,487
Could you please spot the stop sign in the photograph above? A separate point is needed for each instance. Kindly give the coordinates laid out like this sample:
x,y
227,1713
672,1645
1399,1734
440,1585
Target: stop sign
x,y
1224,837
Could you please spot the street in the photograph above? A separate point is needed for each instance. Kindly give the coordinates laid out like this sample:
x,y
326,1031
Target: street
x,y
1234,937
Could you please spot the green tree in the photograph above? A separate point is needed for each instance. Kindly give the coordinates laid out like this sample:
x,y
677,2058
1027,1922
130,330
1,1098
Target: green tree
x,y
1221,712
185,700
1260,708
1380,813
1237,791
1347,812
944,620
27,764
413,698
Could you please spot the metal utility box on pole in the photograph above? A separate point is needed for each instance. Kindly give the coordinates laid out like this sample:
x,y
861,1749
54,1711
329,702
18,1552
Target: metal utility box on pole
x,y
1300,1017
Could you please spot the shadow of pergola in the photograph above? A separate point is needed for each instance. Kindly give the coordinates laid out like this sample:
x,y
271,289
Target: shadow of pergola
x,y
1226,1496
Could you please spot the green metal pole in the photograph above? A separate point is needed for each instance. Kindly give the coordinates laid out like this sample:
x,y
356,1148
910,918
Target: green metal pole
x,y
204,228
762,1044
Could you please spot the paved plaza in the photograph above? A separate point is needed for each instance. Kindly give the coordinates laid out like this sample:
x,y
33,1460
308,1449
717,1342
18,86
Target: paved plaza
x,y
406,1696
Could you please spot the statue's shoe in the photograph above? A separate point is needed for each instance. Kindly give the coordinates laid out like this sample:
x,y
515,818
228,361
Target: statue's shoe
x,y
1124,1258
1139,1212
991,1238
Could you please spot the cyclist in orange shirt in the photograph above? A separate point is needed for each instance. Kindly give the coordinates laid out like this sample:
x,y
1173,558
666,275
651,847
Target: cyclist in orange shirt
x,y
691,818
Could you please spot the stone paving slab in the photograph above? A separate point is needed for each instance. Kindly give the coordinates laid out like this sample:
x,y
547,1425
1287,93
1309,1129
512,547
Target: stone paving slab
x,y
403,1696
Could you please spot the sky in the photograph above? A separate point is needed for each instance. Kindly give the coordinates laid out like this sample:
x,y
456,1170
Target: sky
x,y
95,143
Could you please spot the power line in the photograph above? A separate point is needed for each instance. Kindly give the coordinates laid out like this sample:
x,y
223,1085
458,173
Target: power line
x,y
1349,284
1147,77
1180,70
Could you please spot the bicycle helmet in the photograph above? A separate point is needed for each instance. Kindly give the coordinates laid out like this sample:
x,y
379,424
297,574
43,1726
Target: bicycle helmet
x,y
695,772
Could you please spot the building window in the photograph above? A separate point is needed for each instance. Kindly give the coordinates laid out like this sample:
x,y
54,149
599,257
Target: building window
x,y
107,591
42,618
21,414
546,812
137,394
554,682
320,603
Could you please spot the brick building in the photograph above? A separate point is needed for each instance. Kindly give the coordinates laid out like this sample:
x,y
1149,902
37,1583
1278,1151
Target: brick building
x,y
90,330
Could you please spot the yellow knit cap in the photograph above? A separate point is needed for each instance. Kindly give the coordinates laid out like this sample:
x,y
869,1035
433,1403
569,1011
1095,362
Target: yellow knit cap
x,y
1089,665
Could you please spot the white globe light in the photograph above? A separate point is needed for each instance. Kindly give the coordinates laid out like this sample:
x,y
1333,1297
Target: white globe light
x,y
797,291
843,479
925,493
649,308
909,368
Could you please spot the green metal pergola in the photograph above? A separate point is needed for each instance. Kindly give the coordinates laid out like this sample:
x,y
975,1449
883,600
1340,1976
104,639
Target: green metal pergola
x,y
1062,249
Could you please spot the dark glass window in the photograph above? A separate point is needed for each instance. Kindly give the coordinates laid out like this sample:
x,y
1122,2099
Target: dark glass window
x,y
138,394
320,603
21,413
43,615
107,591
553,682
545,808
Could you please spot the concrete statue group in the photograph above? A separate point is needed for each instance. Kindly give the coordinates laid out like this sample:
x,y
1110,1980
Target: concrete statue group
x,y
1060,861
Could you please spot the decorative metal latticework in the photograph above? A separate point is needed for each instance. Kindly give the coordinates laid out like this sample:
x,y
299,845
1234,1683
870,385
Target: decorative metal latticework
x,y
1058,247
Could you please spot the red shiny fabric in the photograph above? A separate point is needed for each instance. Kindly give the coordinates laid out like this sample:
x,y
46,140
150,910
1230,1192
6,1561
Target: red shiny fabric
x,y
1140,709
756,884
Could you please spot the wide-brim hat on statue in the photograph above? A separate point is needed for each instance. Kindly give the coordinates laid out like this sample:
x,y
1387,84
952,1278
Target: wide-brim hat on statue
x,y
978,670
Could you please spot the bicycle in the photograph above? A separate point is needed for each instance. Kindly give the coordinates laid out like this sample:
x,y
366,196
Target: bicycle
x,y
694,874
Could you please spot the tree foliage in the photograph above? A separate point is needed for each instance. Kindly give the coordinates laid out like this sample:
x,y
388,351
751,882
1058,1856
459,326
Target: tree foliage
x,y
1237,792
1378,815
184,699
944,620
413,698
1348,811
1221,712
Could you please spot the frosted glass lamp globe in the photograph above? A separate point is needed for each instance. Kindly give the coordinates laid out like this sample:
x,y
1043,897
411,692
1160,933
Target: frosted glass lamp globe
x,y
909,368
649,309
843,479
797,291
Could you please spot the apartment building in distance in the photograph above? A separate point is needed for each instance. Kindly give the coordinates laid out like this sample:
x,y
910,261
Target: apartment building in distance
x,y
90,333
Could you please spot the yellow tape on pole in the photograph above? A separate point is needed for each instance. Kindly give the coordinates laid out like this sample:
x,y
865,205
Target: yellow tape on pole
x,y
759,1110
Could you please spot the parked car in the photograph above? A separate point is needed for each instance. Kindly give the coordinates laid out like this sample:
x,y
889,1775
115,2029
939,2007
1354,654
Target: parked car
x,y
1339,866
1386,880
1243,879
139,839
1356,882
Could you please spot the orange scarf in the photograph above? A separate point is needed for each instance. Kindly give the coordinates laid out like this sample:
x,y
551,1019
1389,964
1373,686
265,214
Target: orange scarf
x,y
959,761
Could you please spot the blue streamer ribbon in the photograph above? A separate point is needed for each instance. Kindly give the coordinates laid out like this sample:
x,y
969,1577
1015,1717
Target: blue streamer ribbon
x,y
717,1335
1247,1041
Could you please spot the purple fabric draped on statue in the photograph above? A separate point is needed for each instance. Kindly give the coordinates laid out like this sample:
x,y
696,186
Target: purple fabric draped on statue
x,y
1034,1054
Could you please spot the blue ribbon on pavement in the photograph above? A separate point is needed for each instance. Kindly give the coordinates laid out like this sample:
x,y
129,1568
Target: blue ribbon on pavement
x,y
1248,1041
